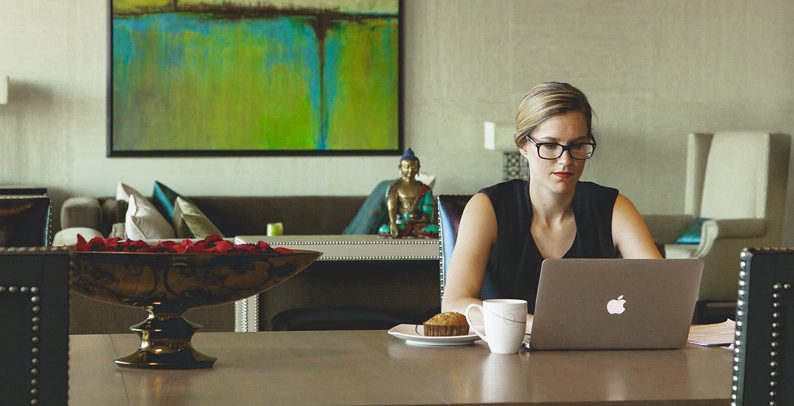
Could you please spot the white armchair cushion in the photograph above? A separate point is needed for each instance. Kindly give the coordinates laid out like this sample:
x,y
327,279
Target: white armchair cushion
x,y
679,250
735,182
733,228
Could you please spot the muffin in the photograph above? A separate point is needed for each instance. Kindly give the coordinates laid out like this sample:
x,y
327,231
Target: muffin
x,y
446,324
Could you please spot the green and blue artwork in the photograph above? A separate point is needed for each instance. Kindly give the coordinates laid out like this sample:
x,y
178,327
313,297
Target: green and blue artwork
x,y
205,77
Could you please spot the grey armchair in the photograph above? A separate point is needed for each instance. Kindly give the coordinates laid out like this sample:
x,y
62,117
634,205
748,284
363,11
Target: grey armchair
x,y
738,181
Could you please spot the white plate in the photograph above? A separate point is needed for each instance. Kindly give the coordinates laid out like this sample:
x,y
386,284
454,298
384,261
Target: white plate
x,y
414,335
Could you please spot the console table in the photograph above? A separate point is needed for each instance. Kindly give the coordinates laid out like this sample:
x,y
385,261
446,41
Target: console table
x,y
354,270
371,367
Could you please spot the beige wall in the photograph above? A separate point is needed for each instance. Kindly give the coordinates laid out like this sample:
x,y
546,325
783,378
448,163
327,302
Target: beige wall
x,y
654,71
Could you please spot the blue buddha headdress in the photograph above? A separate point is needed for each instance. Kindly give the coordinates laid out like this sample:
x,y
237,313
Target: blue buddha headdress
x,y
408,156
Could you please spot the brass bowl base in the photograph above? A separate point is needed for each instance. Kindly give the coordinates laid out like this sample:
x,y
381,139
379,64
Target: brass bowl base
x,y
188,359
165,342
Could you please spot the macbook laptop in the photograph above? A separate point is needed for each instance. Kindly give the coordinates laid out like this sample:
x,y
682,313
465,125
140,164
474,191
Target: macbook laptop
x,y
589,304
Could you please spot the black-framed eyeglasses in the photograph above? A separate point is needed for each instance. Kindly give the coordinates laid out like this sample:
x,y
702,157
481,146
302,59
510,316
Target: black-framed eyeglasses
x,y
553,150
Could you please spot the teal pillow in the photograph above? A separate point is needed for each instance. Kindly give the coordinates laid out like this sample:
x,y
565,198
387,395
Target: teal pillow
x,y
372,213
692,233
164,198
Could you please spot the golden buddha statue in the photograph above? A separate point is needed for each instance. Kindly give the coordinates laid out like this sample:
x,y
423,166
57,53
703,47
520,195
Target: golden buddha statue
x,y
409,203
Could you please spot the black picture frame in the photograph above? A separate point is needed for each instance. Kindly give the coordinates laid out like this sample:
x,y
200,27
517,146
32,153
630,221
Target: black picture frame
x,y
114,149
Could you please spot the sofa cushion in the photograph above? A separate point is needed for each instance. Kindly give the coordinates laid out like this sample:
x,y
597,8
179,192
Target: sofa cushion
x,y
117,231
143,221
191,222
679,250
81,212
113,211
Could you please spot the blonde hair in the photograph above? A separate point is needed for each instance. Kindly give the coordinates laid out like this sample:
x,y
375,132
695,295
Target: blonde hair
x,y
547,100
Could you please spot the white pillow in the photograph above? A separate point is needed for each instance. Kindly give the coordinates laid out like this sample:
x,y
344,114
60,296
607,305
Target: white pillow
x,y
124,191
68,236
144,222
427,179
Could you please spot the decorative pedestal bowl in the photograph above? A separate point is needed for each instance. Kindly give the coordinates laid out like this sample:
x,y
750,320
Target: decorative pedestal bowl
x,y
167,284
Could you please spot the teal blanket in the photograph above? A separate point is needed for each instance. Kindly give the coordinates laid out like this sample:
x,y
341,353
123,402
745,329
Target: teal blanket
x,y
373,212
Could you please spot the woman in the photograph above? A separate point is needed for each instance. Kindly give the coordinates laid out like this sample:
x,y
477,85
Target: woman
x,y
509,228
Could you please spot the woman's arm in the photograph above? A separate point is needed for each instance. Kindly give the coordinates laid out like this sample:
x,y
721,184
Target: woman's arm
x,y
630,233
466,268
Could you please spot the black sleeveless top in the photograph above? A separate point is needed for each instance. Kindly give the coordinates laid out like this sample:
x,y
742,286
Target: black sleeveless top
x,y
514,264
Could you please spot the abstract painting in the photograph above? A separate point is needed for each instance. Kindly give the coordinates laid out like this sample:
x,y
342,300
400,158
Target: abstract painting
x,y
254,77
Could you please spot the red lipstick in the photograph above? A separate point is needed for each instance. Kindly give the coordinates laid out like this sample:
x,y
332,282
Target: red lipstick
x,y
564,175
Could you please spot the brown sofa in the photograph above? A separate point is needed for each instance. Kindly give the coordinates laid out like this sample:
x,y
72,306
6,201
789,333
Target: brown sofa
x,y
234,215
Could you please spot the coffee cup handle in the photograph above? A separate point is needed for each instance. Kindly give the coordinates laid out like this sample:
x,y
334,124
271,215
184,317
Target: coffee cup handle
x,y
468,319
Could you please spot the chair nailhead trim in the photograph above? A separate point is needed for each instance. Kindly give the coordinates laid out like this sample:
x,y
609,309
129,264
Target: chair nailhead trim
x,y
779,289
35,319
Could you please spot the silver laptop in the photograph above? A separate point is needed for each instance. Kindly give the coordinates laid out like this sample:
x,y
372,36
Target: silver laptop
x,y
591,304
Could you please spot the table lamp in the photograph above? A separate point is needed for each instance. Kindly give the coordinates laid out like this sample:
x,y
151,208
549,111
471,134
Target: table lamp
x,y
499,137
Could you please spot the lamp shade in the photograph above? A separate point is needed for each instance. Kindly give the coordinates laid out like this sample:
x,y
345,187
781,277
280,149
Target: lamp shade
x,y
498,136
3,89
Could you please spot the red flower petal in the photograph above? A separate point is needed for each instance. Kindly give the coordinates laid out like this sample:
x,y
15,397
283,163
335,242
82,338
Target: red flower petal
x,y
96,244
81,245
223,246
247,248
213,243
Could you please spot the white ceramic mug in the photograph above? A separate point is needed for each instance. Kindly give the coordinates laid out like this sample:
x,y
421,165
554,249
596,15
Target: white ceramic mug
x,y
505,321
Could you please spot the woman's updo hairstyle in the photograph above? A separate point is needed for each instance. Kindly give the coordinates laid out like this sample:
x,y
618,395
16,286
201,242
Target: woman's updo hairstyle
x,y
547,100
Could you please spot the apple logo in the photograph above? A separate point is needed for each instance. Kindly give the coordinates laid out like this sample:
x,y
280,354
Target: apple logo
x,y
616,306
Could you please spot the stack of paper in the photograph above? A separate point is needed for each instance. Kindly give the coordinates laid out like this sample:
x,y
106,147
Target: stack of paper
x,y
713,334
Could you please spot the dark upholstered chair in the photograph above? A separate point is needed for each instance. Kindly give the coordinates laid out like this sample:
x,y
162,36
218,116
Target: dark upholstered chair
x,y
34,298
450,211
764,347
24,221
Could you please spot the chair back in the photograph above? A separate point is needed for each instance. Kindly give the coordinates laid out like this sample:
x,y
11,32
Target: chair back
x,y
24,220
450,211
764,361
734,175
34,296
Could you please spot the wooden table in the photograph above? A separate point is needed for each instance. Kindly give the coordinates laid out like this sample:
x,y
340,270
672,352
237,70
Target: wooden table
x,y
371,367
400,275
